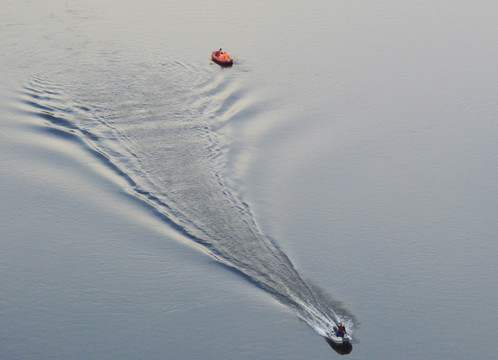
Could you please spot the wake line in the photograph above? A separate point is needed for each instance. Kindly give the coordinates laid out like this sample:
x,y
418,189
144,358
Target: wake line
x,y
171,160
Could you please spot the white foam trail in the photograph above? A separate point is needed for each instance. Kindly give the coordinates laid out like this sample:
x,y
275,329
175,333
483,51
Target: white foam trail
x,y
161,133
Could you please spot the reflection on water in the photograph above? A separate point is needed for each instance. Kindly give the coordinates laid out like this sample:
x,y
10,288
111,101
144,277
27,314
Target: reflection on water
x,y
341,349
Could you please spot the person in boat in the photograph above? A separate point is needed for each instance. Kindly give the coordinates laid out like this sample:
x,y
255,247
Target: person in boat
x,y
341,330
224,56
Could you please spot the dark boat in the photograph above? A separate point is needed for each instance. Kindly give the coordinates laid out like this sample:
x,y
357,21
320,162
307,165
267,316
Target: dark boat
x,y
216,58
345,339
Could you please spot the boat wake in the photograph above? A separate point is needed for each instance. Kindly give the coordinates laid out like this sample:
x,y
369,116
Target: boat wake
x,y
165,128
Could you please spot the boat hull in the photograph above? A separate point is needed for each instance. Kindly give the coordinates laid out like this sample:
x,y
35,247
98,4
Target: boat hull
x,y
340,340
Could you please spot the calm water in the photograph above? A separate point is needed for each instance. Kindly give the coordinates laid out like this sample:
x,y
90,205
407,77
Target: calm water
x,y
345,166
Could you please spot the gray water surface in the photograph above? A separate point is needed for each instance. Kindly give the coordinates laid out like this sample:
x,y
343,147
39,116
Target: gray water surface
x,y
345,166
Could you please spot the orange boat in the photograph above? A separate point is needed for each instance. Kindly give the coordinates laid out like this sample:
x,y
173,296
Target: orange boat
x,y
215,56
